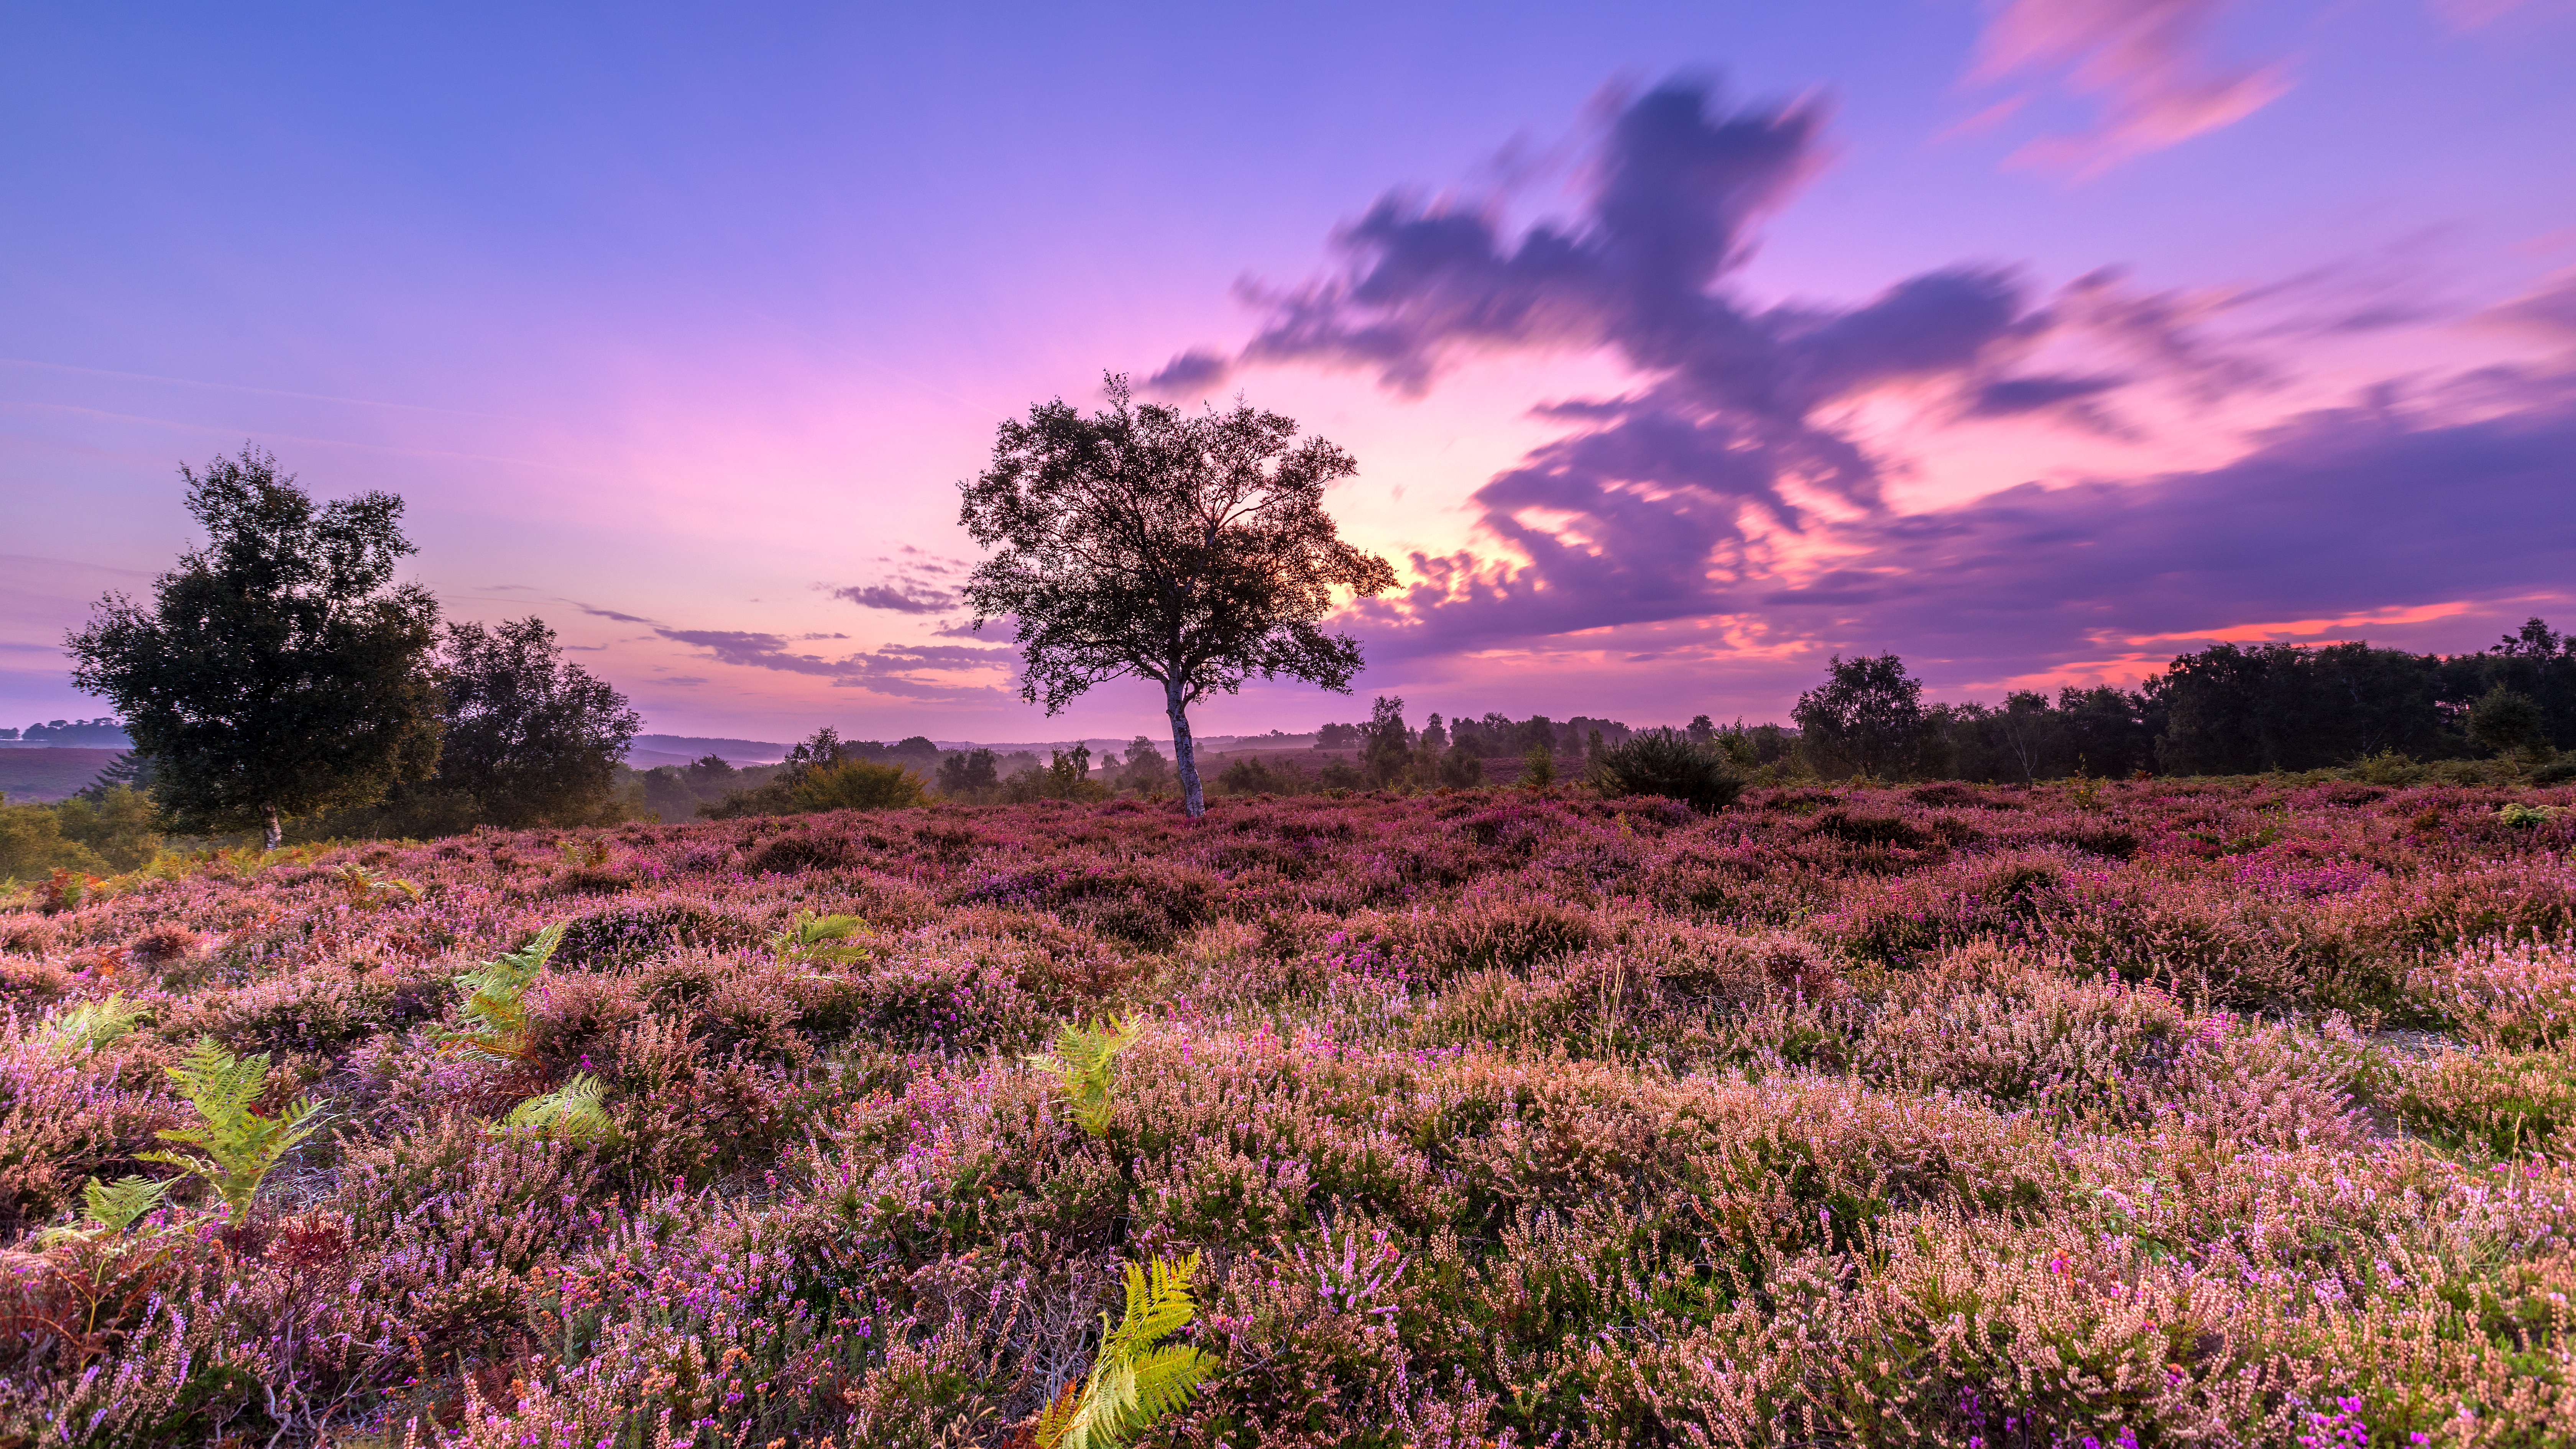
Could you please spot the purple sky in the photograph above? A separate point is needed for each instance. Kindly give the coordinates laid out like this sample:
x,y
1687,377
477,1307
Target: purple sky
x,y
1680,346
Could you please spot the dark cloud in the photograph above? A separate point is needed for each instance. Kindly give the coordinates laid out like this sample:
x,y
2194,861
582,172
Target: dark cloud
x,y
609,614
752,651
890,669
2373,507
2013,396
898,598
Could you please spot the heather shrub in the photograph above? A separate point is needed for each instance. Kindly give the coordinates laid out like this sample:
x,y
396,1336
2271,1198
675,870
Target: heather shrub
x,y
2505,994
2491,1100
1855,1116
633,931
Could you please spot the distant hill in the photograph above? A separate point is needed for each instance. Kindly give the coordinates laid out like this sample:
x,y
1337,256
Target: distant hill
x,y
651,750
30,776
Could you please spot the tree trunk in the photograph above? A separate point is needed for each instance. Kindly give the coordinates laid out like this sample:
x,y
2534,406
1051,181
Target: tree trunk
x,y
1185,751
276,832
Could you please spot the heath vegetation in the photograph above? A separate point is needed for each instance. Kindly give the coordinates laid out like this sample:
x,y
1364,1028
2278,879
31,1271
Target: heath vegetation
x,y
2162,1112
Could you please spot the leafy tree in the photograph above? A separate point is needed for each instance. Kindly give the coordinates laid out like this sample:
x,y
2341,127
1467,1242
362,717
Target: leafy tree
x,y
860,785
279,669
1386,756
1867,717
969,774
1191,551
2508,723
119,823
532,737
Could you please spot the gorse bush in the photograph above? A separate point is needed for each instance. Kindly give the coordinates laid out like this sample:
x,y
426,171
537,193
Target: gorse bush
x,y
1671,764
235,1143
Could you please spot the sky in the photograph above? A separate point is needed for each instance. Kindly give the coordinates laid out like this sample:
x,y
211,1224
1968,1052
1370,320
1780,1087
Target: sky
x,y
1682,347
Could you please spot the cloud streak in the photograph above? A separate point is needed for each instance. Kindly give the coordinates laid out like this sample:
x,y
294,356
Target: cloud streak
x,y
2148,64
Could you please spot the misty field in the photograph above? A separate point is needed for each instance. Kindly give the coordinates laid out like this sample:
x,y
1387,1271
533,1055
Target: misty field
x,y
2090,1115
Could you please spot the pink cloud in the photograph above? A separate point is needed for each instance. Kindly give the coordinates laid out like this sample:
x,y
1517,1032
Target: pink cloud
x,y
2149,65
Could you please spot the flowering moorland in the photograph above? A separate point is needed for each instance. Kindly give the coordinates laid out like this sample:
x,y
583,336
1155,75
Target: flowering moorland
x,y
2155,1113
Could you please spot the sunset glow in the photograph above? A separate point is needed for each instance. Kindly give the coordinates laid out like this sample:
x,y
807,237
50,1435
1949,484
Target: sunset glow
x,y
1681,347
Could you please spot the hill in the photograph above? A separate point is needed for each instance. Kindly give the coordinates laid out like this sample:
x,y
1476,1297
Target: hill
x,y
32,775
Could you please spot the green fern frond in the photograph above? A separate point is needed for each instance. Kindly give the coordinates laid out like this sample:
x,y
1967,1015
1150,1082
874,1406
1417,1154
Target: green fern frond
x,y
842,939
93,1024
235,1146
1085,1062
494,992
1133,1382
118,1206
573,1112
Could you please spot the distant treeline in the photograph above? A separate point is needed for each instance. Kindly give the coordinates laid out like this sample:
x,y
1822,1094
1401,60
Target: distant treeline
x,y
2225,710
102,733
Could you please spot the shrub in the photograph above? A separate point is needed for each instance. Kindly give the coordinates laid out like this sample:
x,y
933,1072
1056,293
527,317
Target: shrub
x,y
1669,763
858,785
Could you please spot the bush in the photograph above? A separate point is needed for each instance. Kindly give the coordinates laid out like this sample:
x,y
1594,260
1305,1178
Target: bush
x,y
1669,763
858,785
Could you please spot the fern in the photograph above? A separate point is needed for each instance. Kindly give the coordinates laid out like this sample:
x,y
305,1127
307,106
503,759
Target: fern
x,y
117,1207
237,1146
1085,1062
573,1112
1134,1380
113,1208
366,888
494,1008
837,939
93,1024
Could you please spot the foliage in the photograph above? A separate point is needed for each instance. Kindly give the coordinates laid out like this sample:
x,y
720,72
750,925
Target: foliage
x,y
1866,719
2509,723
530,737
575,1112
32,844
235,1143
1193,552
91,1025
495,1008
279,669
858,785
1671,764
118,822
120,1205
1085,1064
1135,1378
839,939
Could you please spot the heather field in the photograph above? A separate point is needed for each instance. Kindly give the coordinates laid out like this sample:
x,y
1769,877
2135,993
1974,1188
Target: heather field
x,y
2090,1115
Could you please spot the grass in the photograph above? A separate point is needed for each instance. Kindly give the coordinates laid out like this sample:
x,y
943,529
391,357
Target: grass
x,y
2156,1113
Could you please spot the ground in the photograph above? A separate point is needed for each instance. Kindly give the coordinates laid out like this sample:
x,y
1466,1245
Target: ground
x,y
2155,1113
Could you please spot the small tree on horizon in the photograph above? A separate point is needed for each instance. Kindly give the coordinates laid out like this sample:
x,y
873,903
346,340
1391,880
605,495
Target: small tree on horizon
x,y
1191,551
1866,718
278,669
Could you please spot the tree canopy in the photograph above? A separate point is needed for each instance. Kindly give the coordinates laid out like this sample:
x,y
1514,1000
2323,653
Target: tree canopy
x,y
532,737
1866,719
1193,551
278,669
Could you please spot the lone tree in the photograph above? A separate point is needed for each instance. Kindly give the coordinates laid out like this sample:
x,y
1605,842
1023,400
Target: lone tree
x,y
278,669
1191,551
1866,719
